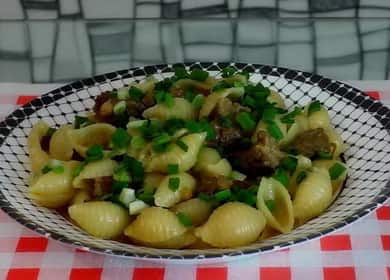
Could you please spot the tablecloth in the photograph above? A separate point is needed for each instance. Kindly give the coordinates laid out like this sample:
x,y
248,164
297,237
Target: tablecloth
x,y
360,251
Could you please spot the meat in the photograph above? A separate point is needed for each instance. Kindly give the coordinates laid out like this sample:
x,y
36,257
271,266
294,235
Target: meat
x,y
210,184
226,136
261,158
310,142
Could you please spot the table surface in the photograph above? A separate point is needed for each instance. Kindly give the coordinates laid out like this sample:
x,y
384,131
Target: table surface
x,y
360,251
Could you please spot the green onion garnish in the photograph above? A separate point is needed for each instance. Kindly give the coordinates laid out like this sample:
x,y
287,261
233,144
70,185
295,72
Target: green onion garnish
x,y
189,95
199,75
136,94
163,85
94,153
228,72
121,175
198,101
58,169
336,170
201,126
45,169
180,72
274,130
281,176
174,183
163,97
137,142
81,122
53,165
77,170
245,196
120,139
160,143
301,176
289,163
220,86
146,197
314,107
290,117
184,219
324,155
270,203
134,167
269,113
173,168
205,196
225,122
117,186
223,195
120,108
246,121
182,145
249,101
50,131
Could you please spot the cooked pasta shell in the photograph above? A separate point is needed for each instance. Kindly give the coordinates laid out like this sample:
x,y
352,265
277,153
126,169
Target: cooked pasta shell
x,y
152,181
232,224
183,109
177,242
38,157
81,196
185,84
300,125
158,162
210,163
336,143
327,164
262,126
54,189
93,170
166,197
268,232
196,209
60,143
281,217
313,195
155,225
101,219
212,100
147,86
83,138
319,119
276,98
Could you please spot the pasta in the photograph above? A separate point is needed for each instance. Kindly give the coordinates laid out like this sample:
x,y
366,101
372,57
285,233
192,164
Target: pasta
x,y
189,162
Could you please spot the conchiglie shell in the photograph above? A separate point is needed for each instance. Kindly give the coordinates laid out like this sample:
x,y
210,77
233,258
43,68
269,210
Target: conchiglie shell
x,y
152,181
81,196
212,100
199,244
165,197
236,78
61,144
262,126
185,84
232,224
268,232
183,109
303,165
54,189
147,86
327,164
196,209
101,219
206,156
210,163
275,97
303,162
158,162
155,225
38,157
313,195
336,143
95,169
177,242
83,138
319,119
281,218
300,125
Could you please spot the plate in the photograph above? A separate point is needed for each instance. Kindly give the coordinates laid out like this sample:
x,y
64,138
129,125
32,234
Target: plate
x,y
363,123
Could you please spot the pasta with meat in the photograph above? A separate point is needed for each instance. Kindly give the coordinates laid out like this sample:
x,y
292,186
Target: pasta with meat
x,y
190,161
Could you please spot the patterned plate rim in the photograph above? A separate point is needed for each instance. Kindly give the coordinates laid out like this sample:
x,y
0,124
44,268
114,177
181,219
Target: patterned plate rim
x,y
354,95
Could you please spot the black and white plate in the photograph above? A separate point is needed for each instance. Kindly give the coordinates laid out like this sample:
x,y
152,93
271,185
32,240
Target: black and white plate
x,y
363,123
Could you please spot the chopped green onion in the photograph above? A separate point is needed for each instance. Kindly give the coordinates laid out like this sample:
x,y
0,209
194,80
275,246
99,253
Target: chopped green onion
x,y
225,122
81,122
324,155
94,153
58,169
121,175
314,107
45,169
180,72
136,123
269,113
134,167
123,93
77,170
126,196
173,168
182,145
205,196
245,196
290,117
281,176
228,72
120,108
274,130
199,75
246,121
208,128
249,101
151,129
174,183
163,85
137,142
289,163
196,127
163,97
220,86
169,100
184,219
136,94
238,84
50,131
189,95
223,195
301,176
336,170
160,143
198,101
120,139
145,196
118,186
270,203
253,189
136,206
235,175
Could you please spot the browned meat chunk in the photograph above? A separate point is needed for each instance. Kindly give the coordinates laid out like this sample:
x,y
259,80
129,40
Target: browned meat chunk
x,y
210,184
310,142
226,136
261,158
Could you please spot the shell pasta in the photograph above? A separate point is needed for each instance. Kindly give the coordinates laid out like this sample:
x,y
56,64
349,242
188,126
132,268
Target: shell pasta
x,y
190,161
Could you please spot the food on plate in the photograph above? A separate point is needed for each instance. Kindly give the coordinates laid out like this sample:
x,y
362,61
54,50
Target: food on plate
x,y
189,161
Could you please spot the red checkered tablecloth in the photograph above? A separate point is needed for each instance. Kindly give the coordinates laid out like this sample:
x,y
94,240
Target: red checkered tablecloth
x,y
361,251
